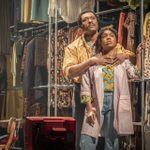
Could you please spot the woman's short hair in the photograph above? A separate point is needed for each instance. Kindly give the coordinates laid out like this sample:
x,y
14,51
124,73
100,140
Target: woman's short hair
x,y
98,42
108,28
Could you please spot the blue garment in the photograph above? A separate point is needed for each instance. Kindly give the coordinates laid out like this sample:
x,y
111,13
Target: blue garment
x,y
78,114
107,131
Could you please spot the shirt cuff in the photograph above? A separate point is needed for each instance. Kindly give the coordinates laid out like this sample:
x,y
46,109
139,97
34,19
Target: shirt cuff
x,y
85,99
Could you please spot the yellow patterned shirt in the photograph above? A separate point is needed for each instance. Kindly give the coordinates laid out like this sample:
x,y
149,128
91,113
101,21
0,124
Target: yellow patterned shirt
x,y
108,78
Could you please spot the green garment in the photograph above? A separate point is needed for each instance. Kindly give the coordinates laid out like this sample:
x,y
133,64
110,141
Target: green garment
x,y
134,3
39,10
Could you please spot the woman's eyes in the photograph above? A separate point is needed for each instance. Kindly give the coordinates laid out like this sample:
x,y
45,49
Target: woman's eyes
x,y
106,35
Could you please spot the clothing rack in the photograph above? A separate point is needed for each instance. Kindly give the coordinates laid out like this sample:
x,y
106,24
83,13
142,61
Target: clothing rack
x,y
112,10
34,28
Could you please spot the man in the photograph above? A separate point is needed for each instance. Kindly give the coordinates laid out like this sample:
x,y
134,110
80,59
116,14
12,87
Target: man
x,y
80,55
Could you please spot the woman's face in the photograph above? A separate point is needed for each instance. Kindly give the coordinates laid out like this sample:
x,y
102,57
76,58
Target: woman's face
x,y
108,41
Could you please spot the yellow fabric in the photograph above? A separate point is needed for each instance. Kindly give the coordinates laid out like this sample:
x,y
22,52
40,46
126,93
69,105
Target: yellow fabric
x,y
13,64
75,53
134,4
78,52
14,99
147,17
27,10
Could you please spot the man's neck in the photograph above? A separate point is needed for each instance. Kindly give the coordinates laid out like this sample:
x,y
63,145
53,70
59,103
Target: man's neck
x,y
91,38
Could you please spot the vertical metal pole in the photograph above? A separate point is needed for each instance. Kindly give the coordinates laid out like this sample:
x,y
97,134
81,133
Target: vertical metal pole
x,y
97,5
15,17
55,86
142,83
49,68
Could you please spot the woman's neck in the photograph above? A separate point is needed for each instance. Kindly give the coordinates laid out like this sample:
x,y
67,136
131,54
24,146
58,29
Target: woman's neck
x,y
111,53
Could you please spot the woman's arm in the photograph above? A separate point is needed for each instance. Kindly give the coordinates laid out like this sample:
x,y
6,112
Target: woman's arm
x,y
86,98
140,47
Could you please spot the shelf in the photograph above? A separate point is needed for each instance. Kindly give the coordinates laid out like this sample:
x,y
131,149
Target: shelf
x,y
139,80
59,86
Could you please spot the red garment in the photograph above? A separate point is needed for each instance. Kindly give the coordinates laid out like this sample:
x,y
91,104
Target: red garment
x,y
120,28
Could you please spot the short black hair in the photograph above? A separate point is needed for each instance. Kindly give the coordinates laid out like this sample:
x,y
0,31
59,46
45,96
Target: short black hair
x,y
84,12
108,28
98,41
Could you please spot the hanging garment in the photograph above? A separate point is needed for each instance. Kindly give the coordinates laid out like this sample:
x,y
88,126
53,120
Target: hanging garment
x,y
35,74
114,3
147,16
74,33
17,53
130,23
136,3
41,46
14,98
2,105
14,103
22,11
23,57
107,21
39,10
70,9
147,49
4,27
120,28
3,73
27,10
64,97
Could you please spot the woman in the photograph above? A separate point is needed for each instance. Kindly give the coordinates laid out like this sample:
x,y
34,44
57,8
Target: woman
x,y
106,94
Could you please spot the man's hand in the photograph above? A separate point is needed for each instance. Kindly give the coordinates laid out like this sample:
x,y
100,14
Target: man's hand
x,y
120,58
100,59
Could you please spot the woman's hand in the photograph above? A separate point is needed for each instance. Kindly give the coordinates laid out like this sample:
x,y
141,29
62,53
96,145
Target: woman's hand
x,y
91,116
140,47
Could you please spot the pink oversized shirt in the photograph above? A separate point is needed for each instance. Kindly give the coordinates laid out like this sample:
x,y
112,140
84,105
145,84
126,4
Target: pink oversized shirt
x,y
92,85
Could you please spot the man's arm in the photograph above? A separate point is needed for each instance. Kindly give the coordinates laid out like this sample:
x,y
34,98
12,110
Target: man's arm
x,y
71,66
79,69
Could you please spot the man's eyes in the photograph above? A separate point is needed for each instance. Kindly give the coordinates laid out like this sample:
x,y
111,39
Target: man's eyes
x,y
86,19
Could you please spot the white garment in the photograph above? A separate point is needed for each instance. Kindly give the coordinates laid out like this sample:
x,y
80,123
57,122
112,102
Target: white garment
x,y
69,10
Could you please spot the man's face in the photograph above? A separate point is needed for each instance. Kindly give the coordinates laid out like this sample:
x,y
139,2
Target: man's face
x,y
108,40
89,23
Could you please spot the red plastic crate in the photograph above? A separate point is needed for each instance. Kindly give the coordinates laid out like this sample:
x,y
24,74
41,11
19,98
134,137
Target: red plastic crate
x,y
50,132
